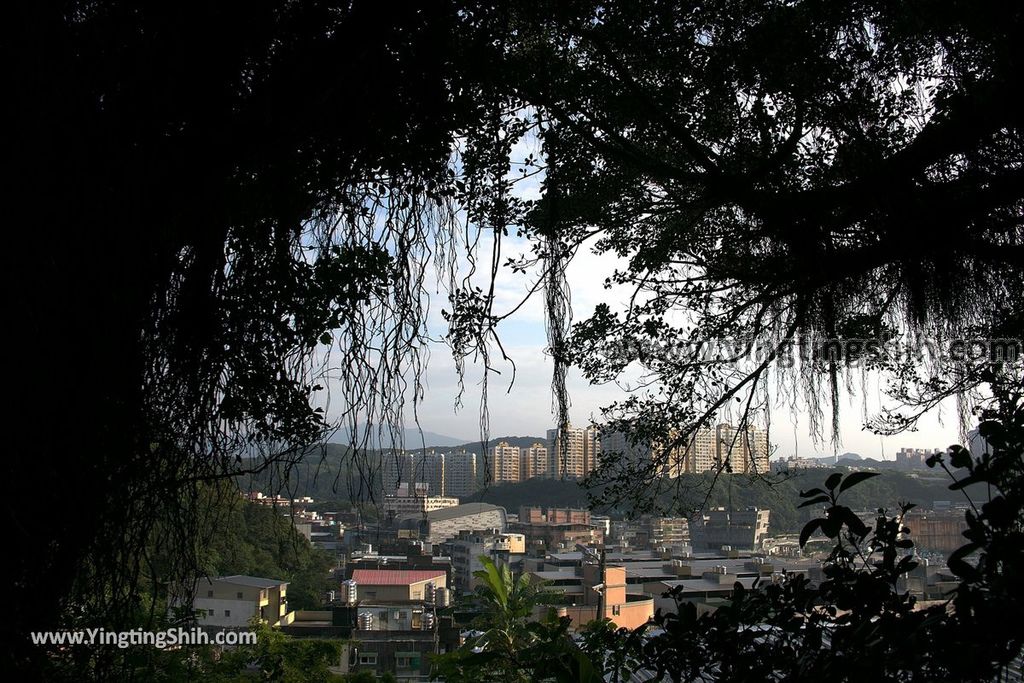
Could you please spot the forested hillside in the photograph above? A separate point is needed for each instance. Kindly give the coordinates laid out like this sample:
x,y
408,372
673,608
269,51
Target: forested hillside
x,y
260,541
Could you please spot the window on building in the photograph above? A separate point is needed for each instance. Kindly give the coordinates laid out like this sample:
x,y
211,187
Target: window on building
x,y
238,595
209,594
401,615
227,613
368,658
405,662
616,610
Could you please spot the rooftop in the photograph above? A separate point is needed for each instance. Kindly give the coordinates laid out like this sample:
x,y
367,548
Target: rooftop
x,y
251,581
461,511
394,577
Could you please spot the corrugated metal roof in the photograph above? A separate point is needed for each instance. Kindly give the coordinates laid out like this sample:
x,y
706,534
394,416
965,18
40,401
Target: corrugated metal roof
x,y
394,577
461,511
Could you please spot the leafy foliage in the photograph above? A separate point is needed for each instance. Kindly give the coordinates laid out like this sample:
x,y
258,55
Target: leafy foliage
x,y
511,646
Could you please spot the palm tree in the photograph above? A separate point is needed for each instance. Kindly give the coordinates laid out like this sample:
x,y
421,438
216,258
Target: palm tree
x,y
510,645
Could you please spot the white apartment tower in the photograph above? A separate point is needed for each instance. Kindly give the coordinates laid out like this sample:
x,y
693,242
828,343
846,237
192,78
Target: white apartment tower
x,y
534,462
706,450
574,451
505,463
460,471
746,451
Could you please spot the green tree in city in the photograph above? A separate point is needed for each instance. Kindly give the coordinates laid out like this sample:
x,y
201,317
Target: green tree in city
x,y
513,644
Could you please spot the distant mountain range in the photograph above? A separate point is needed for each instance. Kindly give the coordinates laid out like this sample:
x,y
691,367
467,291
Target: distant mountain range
x,y
413,438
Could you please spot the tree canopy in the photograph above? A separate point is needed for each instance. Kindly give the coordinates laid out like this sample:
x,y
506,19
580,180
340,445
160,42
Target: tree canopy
x,y
775,175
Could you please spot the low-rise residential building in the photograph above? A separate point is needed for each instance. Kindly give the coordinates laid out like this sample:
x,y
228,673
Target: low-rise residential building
x,y
415,558
397,585
409,501
262,499
669,532
793,463
937,532
233,601
401,640
737,529
396,624
466,551
558,528
587,591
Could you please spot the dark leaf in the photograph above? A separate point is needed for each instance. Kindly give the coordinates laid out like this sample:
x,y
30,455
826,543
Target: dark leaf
x,y
853,522
808,530
959,456
831,526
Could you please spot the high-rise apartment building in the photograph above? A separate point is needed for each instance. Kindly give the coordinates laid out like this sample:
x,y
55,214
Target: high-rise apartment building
x,y
617,443
534,461
429,468
574,451
706,450
505,463
702,451
746,451
413,468
396,468
914,458
461,475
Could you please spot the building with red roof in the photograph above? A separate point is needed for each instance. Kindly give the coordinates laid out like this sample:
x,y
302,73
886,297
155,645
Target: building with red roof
x,y
396,585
